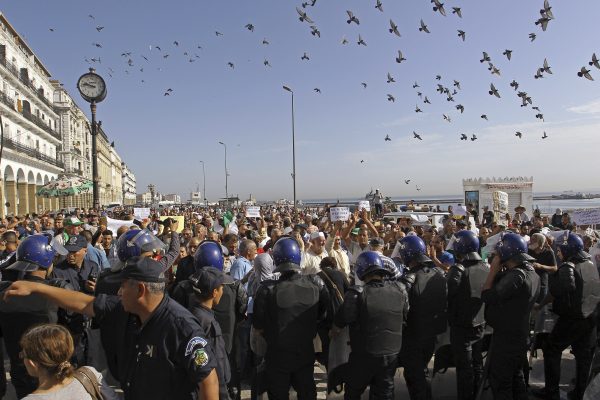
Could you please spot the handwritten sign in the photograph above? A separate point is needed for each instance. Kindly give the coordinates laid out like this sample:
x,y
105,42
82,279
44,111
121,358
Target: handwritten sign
x,y
500,201
141,213
253,212
589,216
339,214
364,205
460,210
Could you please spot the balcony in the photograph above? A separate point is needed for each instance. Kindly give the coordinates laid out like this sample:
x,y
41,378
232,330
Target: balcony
x,y
10,102
31,152
10,67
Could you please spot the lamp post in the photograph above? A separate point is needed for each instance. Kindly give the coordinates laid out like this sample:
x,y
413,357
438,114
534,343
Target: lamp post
x,y
226,175
204,183
92,88
293,145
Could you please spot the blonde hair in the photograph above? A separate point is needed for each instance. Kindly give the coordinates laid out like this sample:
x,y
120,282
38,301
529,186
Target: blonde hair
x,y
51,347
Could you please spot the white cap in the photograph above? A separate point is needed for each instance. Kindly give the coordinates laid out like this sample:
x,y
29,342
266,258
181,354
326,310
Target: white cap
x,y
316,235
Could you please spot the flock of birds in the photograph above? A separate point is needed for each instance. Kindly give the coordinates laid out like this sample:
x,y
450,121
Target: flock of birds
x,y
450,90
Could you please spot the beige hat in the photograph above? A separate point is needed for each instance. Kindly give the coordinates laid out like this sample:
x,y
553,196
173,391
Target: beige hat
x,y
537,241
520,206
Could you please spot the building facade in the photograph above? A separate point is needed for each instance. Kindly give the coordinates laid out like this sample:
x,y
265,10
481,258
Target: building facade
x,y
480,193
32,141
129,186
175,198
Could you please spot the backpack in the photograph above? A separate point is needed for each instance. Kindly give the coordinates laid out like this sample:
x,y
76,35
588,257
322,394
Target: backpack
x,y
90,383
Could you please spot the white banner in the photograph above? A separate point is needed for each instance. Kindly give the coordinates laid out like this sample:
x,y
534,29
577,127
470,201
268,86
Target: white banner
x,y
364,205
114,224
339,214
253,212
589,216
460,210
141,213
500,202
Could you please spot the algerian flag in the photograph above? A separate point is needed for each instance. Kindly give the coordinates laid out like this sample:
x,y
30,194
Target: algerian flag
x,y
227,218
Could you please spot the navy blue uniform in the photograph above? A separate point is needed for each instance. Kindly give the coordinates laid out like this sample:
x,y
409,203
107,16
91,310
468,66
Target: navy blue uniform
x,y
166,358
213,334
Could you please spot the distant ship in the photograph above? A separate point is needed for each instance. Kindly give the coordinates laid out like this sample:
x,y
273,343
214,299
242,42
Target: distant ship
x,y
571,195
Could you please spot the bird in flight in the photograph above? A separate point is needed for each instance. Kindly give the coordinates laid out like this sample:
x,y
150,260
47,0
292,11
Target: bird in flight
x,y
585,73
364,85
447,118
231,65
387,138
394,28
423,27
303,16
544,136
217,33
389,96
417,109
485,58
99,28
361,41
457,11
305,57
400,57
473,138
594,61
463,136
508,54
461,108
407,181
418,188
352,18
417,136
493,91
426,101
91,16
314,31
265,41
514,84
415,85
457,84
532,36
97,45
462,34
379,6
438,6
483,116
317,90
519,135
250,27
266,63
390,78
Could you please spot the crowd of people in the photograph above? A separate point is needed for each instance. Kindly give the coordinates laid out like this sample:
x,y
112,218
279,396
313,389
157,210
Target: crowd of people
x,y
164,307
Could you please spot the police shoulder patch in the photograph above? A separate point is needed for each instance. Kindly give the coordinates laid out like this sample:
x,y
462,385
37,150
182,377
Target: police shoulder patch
x,y
195,341
200,357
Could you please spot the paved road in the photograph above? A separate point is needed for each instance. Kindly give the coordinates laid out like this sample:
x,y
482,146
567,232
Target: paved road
x,y
443,385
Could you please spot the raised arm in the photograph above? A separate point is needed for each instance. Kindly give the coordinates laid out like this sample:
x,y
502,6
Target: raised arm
x,y
78,302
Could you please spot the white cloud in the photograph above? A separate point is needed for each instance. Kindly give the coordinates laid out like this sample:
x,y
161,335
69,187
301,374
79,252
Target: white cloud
x,y
588,108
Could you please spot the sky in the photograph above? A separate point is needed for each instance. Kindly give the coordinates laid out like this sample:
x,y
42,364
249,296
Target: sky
x,y
163,138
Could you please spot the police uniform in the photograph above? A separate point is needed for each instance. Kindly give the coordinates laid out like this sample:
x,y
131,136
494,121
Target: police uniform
x,y
508,305
166,358
16,317
466,320
213,334
287,312
576,290
376,313
427,293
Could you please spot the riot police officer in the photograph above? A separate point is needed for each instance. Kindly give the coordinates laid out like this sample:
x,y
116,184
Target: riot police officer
x,y
427,293
34,257
376,313
286,313
465,312
509,294
229,311
576,292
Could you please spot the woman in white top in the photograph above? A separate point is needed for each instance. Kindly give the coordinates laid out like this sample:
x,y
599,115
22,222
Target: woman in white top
x,y
46,351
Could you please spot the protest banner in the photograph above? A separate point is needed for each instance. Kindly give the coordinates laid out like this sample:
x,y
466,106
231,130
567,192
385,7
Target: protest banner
x,y
114,224
253,212
364,205
339,214
141,213
588,216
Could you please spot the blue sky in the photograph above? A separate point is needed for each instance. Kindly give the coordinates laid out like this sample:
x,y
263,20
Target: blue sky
x,y
163,138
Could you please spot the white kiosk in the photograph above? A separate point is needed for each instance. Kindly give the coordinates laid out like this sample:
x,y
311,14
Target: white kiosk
x,y
480,192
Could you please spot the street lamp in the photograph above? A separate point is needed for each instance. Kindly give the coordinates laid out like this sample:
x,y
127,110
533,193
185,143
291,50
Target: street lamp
x,y
293,144
226,174
204,184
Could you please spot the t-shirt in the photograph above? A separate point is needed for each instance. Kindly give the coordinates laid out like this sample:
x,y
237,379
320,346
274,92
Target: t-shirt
x,y
311,262
75,391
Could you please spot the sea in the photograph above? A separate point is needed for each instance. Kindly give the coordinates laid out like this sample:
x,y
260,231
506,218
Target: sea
x,y
545,206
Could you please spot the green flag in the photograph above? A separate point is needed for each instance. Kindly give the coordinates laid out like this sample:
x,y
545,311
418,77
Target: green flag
x,y
227,218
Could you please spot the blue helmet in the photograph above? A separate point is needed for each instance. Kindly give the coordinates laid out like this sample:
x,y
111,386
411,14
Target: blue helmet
x,y
511,245
286,254
446,258
368,262
465,242
209,254
134,242
570,245
33,253
411,248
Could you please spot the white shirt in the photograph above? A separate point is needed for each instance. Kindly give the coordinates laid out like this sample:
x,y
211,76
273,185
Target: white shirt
x,y
355,251
311,262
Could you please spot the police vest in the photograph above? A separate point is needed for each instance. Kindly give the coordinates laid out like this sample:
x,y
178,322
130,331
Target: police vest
x,y
427,298
465,308
511,316
583,301
380,320
294,309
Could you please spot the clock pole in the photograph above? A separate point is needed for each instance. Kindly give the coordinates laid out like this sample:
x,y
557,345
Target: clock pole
x,y
95,176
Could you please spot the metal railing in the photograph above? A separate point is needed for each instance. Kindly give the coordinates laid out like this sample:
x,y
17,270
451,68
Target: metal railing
x,y
10,67
32,152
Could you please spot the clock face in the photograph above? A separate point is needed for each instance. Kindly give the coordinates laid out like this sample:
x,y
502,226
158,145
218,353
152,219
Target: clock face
x,y
92,87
